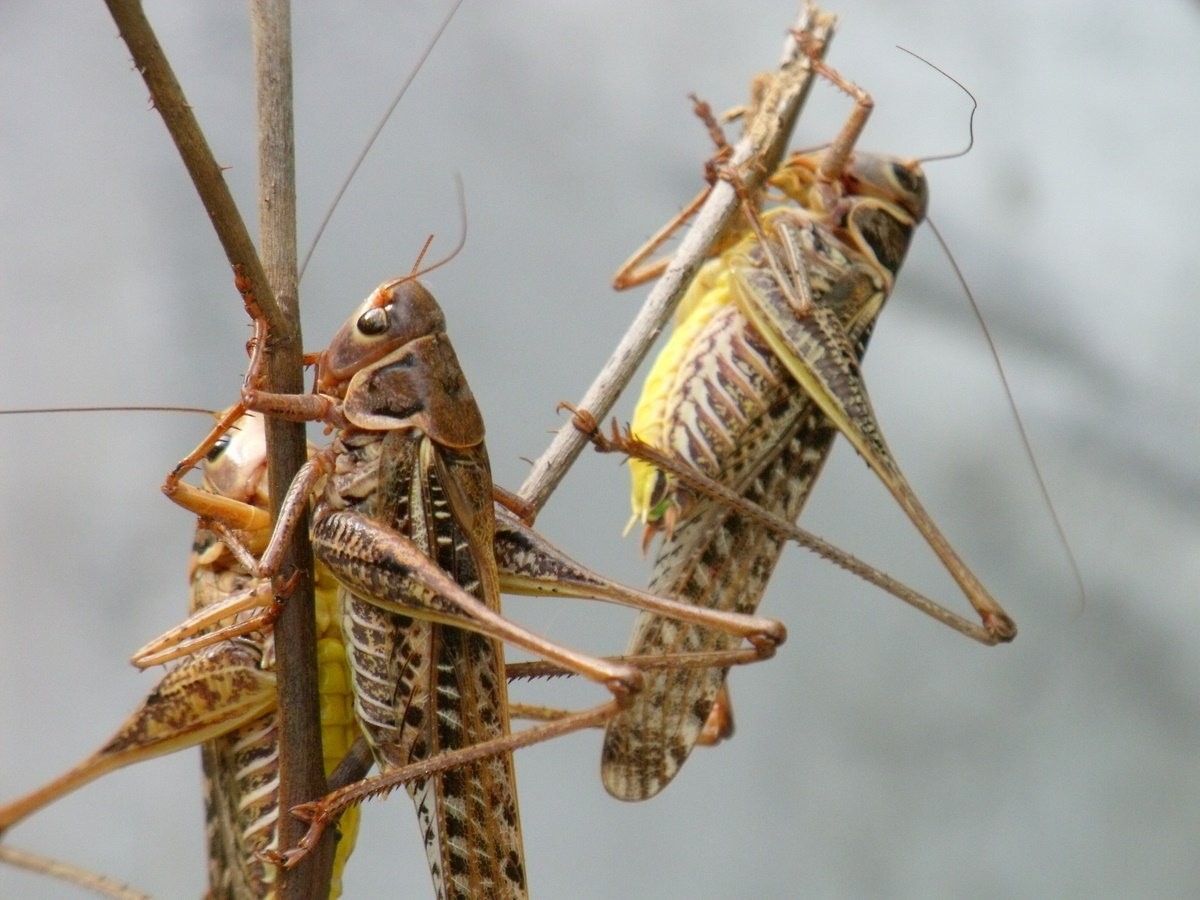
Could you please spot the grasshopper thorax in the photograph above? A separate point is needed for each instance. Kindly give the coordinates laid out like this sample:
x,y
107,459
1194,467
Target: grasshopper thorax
x,y
874,204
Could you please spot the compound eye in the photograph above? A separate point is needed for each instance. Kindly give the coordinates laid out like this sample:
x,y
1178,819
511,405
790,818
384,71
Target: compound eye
x,y
904,177
218,449
373,322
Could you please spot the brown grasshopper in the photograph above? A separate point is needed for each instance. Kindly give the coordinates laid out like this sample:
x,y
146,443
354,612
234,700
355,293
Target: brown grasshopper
x,y
405,522
761,373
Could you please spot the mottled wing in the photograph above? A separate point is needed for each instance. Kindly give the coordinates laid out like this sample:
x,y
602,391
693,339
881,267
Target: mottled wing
x,y
478,800
732,410
423,688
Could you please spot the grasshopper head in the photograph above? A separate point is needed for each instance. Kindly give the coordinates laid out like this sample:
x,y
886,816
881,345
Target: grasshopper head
x,y
894,181
888,178
393,364
396,313
885,201
875,203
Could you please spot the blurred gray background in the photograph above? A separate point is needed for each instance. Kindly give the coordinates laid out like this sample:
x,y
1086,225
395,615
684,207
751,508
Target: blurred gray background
x,y
879,753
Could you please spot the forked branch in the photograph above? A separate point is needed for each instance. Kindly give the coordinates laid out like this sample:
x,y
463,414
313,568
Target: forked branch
x,y
301,778
168,98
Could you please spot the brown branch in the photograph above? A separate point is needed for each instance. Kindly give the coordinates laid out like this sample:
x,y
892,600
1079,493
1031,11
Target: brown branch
x,y
172,105
301,771
301,776
765,140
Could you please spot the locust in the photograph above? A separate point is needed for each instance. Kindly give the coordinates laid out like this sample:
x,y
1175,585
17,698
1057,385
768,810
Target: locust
x,y
241,769
222,695
404,520
740,409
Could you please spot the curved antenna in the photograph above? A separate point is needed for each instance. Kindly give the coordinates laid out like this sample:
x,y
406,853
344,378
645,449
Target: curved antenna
x,y
970,121
1027,445
417,271
337,198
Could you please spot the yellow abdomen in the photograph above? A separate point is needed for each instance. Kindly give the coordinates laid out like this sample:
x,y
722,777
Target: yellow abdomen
x,y
338,726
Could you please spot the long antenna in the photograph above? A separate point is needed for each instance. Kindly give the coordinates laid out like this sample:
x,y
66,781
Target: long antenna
x,y
412,75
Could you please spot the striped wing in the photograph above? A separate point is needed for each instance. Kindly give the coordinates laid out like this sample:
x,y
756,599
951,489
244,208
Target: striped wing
x,y
726,405
423,688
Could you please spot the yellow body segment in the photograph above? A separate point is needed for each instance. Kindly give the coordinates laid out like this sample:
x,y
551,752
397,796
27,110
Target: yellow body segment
x,y
710,291
242,766
339,728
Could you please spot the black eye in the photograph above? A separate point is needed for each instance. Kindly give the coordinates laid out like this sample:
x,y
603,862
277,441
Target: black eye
x,y
886,234
218,448
373,321
906,180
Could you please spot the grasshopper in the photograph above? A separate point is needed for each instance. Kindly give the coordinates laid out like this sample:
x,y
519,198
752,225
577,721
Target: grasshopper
x,y
405,522
241,768
223,697
760,374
